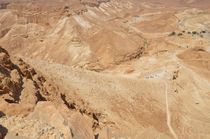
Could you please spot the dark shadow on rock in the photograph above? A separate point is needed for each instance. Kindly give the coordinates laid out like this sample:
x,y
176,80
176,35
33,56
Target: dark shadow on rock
x,y
96,136
1,114
72,134
3,132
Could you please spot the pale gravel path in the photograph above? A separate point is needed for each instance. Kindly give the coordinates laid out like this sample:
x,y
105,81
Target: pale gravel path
x,y
168,113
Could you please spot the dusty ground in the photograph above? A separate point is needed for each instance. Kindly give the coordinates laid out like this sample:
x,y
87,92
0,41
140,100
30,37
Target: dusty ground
x,y
100,69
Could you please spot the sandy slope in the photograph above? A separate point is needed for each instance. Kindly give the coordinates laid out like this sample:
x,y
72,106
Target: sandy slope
x,y
111,69
133,100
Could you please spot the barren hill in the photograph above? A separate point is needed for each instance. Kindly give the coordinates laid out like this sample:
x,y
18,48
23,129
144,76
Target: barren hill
x,y
103,69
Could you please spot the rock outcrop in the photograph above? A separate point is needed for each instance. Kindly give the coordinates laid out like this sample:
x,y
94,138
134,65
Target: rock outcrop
x,y
20,85
33,108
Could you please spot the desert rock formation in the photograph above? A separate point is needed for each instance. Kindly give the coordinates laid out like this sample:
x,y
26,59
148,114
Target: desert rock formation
x,y
104,69
29,100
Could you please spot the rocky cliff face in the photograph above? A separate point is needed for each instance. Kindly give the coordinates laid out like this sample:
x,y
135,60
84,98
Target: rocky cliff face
x,y
20,85
33,107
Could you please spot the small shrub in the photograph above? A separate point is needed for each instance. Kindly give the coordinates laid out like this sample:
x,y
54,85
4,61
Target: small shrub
x,y
180,34
203,31
194,32
66,7
172,34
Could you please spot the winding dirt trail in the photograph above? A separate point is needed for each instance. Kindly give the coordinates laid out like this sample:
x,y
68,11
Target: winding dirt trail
x,y
168,114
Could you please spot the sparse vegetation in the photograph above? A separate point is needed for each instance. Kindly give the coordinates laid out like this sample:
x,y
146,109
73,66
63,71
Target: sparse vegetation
x,y
203,31
66,7
172,34
194,32
180,34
